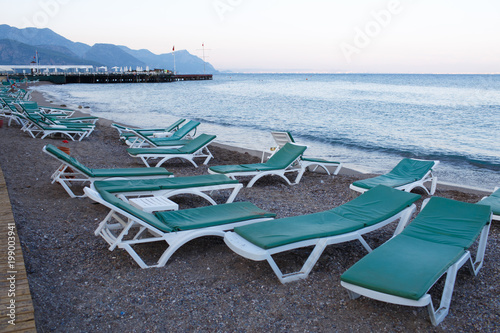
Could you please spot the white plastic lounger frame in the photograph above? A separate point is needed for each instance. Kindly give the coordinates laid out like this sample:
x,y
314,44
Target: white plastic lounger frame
x,y
429,177
119,224
250,251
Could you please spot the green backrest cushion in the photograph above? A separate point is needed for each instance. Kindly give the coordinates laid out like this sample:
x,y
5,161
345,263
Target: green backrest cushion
x,y
114,186
407,171
285,156
449,222
140,214
376,205
208,216
493,201
196,143
184,130
69,159
369,208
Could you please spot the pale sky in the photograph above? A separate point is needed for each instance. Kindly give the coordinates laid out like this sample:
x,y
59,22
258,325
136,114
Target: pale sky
x,y
375,36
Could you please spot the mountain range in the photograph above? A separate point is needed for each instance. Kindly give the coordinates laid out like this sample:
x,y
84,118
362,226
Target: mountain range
x,y
18,47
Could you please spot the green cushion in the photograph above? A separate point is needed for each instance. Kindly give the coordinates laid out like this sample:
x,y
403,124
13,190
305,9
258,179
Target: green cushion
x,y
131,172
409,264
493,201
140,214
69,159
202,217
231,169
369,208
286,155
114,186
449,222
318,160
404,266
407,171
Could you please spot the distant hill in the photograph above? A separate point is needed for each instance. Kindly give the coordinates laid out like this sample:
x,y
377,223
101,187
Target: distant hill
x,y
15,53
18,47
111,55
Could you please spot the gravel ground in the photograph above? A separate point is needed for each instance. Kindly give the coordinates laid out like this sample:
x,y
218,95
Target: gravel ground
x,y
78,285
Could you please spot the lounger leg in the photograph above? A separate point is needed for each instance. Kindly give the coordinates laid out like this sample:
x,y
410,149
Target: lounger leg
x,y
306,268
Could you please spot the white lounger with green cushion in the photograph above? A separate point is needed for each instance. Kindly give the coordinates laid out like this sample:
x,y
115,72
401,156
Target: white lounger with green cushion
x,y
368,212
493,200
403,270
408,174
168,187
284,161
72,171
144,140
196,148
282,138
125,132
126,226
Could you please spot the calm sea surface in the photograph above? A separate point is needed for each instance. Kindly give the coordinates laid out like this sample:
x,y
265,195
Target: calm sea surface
x,y
368,122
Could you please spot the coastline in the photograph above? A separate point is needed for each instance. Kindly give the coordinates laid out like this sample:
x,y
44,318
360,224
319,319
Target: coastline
x,y
77,284
42,99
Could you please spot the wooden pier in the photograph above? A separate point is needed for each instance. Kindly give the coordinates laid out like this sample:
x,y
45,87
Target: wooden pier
x,y
126,77
16,308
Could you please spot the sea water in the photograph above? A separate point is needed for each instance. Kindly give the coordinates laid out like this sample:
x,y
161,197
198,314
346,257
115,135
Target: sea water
x,y
366,121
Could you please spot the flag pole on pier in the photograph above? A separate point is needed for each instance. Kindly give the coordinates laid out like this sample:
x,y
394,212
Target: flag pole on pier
x,y
173,52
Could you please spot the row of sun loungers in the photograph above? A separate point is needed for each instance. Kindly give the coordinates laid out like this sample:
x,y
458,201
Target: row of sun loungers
x,y
43,122
401,271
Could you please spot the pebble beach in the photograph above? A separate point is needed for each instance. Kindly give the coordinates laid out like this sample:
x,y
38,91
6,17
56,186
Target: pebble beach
x,y
78,285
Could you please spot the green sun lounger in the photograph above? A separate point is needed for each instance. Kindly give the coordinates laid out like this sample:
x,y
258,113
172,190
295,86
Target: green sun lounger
x,y
282,138
72,171
143,139
196,148
126,226
403,270
284,161
493,200
169,187
368,212
408,174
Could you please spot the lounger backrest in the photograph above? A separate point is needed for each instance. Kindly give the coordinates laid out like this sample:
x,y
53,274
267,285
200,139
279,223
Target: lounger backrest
x,y
282,138
415,169
493,200
59,154
449,222
140,214
185,130
286,156
376,205
197,143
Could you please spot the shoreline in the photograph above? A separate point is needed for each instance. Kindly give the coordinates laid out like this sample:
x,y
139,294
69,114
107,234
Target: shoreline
x,y
42,99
